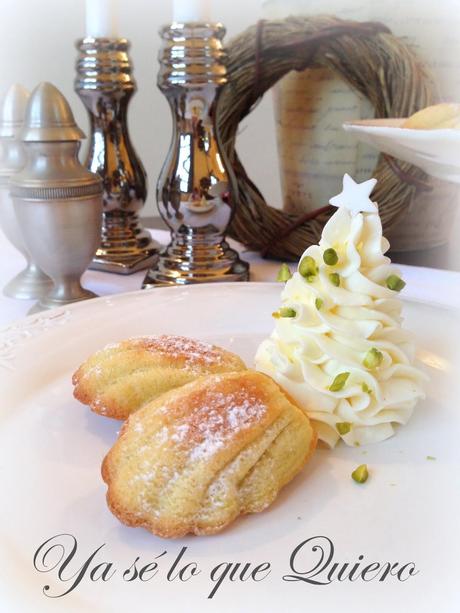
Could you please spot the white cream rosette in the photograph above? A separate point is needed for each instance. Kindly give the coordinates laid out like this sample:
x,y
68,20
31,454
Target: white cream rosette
x,y
332,332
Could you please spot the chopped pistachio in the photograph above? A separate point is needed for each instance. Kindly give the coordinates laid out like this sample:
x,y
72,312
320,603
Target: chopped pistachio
x,y
287,312
330,257
395,283
334,278
357,444
284,274
343,427
373,358
276,315
360,474
339,382
430,457
366,389
319,303
310,278
307,267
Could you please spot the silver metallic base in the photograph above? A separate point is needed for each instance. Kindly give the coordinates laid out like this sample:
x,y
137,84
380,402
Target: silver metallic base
x,y
133,263
29,284
125,246
178,265
62,297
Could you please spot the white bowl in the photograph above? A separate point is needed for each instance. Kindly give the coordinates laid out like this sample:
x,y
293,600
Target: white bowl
x,y
437,152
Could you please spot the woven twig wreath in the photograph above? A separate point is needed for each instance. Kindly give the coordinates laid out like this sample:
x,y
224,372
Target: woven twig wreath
x,y
365,55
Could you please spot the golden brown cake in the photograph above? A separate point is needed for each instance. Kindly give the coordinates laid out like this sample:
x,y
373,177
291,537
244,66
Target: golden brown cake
x,y
199,456
124,376
439,116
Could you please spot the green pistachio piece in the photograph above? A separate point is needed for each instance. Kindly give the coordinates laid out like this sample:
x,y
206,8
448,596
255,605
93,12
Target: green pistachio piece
x,y
343,427
287,312
360,474
330,257
430,457
276,315
373,358
334,278
395,283
284,274
307,267
319,303
339,382
366,389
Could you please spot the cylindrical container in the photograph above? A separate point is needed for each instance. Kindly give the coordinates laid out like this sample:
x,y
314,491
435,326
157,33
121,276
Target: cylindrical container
x,y
196,191
31,282
58,202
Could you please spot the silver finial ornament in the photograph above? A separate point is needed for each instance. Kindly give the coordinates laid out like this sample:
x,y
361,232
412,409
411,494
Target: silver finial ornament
x,y
196,192
13,110
105,84
31,282
58,202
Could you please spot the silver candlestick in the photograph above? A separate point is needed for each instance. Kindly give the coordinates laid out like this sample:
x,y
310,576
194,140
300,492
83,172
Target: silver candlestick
x,y
58,202
105,84
30,282
196,191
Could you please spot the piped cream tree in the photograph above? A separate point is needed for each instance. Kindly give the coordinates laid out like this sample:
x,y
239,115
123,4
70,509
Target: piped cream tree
x,y
338,346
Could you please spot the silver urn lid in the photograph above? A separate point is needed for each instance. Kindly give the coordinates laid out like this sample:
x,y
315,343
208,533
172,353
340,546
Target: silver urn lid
x,y
52,140
49,117
12,111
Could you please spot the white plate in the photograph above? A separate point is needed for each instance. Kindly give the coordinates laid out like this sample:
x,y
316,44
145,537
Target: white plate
x,y
51,449
437,152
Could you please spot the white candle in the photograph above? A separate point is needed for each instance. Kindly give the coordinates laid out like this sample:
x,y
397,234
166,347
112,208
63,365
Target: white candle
x,y
188,11
101,19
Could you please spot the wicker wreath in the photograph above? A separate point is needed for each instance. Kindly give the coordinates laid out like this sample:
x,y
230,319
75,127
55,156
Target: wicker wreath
x,y
365,55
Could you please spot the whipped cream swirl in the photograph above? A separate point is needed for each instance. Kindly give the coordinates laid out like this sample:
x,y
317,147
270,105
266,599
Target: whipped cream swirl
x,y
335,326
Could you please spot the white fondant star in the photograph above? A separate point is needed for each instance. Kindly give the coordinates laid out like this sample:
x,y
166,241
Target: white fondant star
x,y
355,196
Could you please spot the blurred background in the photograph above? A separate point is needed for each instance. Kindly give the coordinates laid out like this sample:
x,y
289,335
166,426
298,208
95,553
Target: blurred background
x,y
38,43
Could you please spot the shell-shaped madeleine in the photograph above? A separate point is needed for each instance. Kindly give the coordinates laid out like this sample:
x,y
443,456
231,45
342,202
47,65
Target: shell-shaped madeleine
x,y
199,456
124,376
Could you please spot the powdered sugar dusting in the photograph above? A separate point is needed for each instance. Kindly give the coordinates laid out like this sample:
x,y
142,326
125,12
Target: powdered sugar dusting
x,y
215,417
138,427
95,371
161,436
211,420
220,417
191,351
98,406
110,346
179,433
146,477
218,491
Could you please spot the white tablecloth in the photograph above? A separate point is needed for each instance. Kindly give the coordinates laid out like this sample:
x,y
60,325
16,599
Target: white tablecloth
x,y
424,284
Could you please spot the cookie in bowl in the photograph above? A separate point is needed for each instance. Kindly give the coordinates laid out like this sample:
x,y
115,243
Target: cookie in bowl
x,y
436,117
